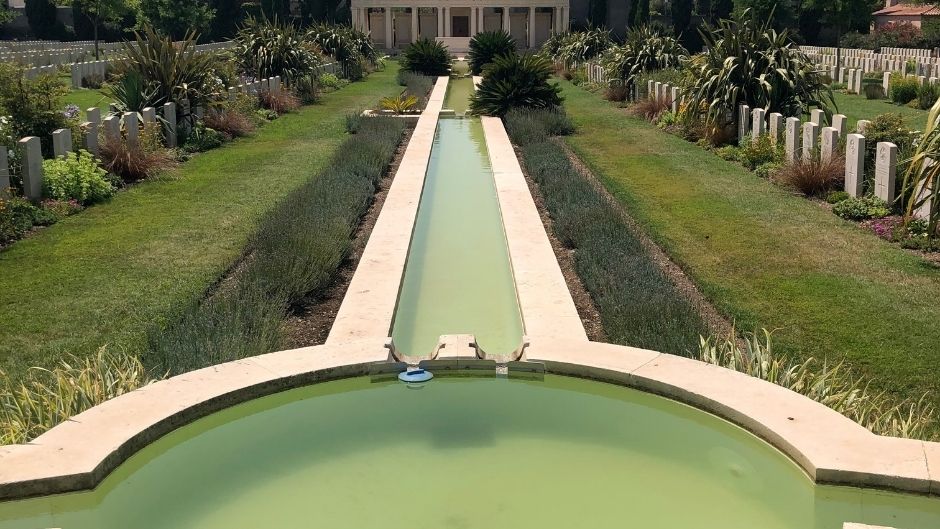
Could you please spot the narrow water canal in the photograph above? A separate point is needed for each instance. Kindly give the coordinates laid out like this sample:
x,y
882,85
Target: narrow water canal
x,y
458,277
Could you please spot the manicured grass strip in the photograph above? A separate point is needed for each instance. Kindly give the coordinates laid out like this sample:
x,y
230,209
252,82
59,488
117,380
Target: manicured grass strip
x,y
638,304
766,257
114,271
856,107
298,247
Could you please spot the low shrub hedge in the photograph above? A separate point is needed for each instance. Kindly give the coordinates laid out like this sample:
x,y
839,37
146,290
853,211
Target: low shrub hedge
x,y
295,251
639,305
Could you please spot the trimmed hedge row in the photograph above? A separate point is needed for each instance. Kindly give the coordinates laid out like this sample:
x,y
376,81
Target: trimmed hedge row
x,y
639,305
295,251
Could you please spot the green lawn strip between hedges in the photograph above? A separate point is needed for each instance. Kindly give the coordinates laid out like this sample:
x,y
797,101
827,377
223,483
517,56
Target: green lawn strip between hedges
x,y
108,274
766,257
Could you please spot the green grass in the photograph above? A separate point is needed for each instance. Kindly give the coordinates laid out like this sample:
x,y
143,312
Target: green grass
x,y
766,257
109,274
86,98
856,107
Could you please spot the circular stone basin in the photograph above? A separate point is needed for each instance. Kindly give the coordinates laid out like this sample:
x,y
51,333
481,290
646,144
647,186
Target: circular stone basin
x,y
464,453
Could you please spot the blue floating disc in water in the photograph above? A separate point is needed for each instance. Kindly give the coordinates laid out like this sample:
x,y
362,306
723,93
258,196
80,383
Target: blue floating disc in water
x,y
415,375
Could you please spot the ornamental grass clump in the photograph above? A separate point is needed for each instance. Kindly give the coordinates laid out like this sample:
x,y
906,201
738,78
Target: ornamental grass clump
x,y
133,163
812,176
281,102
47,397
831,384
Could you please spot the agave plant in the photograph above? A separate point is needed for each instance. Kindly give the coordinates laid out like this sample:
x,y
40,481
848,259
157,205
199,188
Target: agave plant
x,y
486,45
921,184
404,102
747,63
427,57
131,93
268,48
172,71
515,81
645,49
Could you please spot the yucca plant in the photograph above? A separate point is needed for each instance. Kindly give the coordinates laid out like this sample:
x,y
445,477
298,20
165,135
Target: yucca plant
x,y
404,102
747,63
645,49
47,397
515,81
268,48
581,46
347,46
168,71
486,45
921,185
427,57
831,384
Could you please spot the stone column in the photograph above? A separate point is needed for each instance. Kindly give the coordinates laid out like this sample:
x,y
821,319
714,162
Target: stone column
x,y
506,23
886,162
473,21
389,31
414,23
854,164
32,167
440,20
564,18
530,32
448,23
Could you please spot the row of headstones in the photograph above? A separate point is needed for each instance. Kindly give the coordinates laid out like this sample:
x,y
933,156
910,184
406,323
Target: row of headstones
x,y
858,52
879,63
110,127
596,73
40,45
36,71
812,135
63,56
82,70
664,91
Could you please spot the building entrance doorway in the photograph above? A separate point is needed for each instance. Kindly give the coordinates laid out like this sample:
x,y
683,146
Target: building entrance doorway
x,y
460,26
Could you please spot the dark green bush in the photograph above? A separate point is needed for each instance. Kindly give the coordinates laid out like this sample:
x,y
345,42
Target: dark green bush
x,y
515,81
873,91
294,252
638,304
760,151
903,89
927,95
889,128
426,57
265,48
487,45
202,139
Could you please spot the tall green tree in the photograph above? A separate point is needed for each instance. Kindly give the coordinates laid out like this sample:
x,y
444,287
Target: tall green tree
x,y
329,11
279,9
704,9
175,17
780,13
97,12
681,19
597,13
43,23
228,15
640,16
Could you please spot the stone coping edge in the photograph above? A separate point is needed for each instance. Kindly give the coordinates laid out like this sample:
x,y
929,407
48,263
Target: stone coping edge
x,y
369,305
78,454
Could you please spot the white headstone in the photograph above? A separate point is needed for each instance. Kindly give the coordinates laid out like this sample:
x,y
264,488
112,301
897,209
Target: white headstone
x,y
4,170
170,132
792,141
861,125
840,122
774,126
757,122
886,161
854,164
744,121
830,140
61,142
810,136
32,167
817,116
131,128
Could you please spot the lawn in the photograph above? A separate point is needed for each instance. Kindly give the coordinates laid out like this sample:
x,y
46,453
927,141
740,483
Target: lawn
x,y
769,258
108,274
86,98
856,107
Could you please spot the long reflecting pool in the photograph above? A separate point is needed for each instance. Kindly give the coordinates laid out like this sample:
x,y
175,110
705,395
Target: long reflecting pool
x,y
464,453
458,279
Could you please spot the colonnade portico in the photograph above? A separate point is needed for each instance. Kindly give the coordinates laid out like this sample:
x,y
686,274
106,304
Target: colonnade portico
x,y
396,24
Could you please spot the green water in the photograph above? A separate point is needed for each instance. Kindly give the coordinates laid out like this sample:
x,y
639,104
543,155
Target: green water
x,y
458,279
464,454
457,98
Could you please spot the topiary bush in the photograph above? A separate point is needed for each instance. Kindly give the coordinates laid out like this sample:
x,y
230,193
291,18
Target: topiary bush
x,y
903,89
426,57
487,45
515,81
76,176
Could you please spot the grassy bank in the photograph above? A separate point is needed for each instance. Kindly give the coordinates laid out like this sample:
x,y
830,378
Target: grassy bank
x,y
856,107
766,257
637,302
144,258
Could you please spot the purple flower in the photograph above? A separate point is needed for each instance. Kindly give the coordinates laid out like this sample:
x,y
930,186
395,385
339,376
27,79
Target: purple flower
x,y
884,228
71,111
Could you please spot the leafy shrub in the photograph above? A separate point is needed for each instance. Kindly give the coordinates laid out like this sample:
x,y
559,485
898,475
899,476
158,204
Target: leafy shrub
x,y
169,71
332,82
47,397
93,81
920,187
487,45
754,65
575,48
812,176
515,81
33,105
527,125
617,92
202,138
269,48
834,197
644,50
400,104
767,170
760,151
144,160
16,218
59,209
76,177
349,47
861,208
281,102
265,114
903,88
353,121
307,88
729,153
831,384
426,57
927,95
887,128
